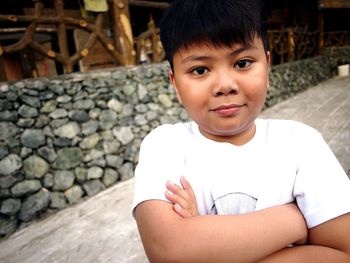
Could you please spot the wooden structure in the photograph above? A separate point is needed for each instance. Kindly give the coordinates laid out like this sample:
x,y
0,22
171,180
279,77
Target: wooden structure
x,y
108,39
120,46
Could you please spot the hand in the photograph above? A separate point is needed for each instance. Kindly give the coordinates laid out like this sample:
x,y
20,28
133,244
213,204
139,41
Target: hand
x,y
183,198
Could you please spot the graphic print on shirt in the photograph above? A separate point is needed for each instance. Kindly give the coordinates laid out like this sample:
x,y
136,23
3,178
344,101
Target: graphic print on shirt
x,y
234,203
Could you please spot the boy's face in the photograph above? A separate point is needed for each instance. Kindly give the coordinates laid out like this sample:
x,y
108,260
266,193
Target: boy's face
x,y
223,89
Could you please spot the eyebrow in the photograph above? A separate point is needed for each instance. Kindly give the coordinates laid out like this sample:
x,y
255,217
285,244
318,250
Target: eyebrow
x,y
203,57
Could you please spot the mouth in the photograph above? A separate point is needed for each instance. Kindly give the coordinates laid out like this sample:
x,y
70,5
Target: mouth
x,y
228,110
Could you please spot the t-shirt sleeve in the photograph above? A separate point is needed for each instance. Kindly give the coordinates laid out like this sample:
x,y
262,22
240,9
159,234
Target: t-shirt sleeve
x,y
322,188
160,159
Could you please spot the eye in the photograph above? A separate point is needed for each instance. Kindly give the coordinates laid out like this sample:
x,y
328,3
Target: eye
x,y
199,70
244,63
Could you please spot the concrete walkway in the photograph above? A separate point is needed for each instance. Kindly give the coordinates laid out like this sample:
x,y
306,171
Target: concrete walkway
x,y
101,229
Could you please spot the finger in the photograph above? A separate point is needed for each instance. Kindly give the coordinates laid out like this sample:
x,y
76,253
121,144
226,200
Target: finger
x,y
180,211
176,199
187,186
178,190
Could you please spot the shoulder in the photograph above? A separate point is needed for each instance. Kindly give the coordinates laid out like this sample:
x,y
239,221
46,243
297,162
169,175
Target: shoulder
x,y
167,136
287,128
168,132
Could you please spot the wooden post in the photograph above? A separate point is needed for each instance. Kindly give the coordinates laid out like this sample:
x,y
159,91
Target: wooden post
x,y
123,37
321,32
62,36
291,44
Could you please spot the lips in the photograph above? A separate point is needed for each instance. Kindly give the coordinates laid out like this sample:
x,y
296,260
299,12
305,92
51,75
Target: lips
x,y
228,110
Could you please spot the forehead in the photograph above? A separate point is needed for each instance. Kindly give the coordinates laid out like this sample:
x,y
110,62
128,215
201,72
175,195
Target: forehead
x,y
188,49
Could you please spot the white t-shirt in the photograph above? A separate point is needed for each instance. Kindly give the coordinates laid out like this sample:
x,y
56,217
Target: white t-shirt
x,y
283,162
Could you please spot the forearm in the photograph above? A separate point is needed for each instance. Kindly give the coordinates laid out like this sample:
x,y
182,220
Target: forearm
x,y
239,238
243,238
307,253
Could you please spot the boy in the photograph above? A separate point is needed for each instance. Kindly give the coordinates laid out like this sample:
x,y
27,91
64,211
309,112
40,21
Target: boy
x,y
245,173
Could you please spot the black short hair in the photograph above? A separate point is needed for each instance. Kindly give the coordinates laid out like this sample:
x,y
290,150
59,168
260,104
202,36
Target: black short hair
x,y
218,22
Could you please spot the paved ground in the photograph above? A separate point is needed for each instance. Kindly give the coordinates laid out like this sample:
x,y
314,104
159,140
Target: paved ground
x,y
101,229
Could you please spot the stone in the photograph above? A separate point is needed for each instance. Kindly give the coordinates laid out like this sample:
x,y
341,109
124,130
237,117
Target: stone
x,y
10,164
14,144
110,177
80,174
48,180
62,142
152,115
127,171
8,130
140,120
94,113
25,122
67,158
111,147
114,161
127,111
47,153
10,206
115,105
58,200
25,187
4,87
141,92
58,114
100,162
107,119
124,134
107,135
93,155
58,123
8,116
94,173
7,226
141,108
33,138
5,193
35,167
10,180
73,194
165,100
34,204
28,112
84,104
64,99
46,95
89,141
4,151
90,127
31,101
93,187
69,130
129,89
79,116
62,180
39,85
25,152
49,106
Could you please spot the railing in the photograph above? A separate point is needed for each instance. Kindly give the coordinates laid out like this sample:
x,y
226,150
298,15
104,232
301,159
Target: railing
x,y
299,43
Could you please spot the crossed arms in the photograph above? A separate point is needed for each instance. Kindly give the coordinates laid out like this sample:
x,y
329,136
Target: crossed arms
x,y
173,232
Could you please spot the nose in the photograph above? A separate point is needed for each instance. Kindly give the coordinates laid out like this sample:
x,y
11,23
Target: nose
x,y
225,85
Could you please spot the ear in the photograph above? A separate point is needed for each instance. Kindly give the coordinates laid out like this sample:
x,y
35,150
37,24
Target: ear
x,y
173,82
268,58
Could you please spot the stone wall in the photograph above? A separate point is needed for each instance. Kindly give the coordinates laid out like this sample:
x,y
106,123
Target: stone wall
x,y
67,138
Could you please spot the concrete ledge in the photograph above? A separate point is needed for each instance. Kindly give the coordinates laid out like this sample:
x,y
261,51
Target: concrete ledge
x,y
100,229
